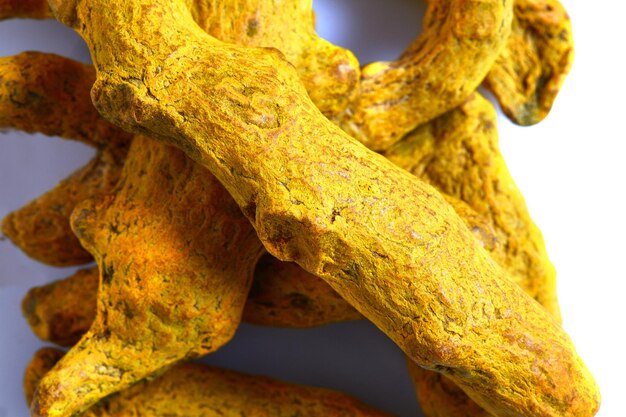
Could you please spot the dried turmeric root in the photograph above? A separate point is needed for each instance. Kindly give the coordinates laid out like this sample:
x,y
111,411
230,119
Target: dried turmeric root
x,y
458,154
329,73
25,9
285,295
126,196
49,94
458,45
389,99
62,311
41,228
527,76
176,260
197,390
385,241
43,360
282,295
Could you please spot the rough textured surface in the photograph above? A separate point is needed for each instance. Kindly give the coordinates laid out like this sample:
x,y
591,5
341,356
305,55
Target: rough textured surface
x,y
385,241
282,295
195,390
479,225
330,73
31,9
172,286
62,311
302,19
459,43
41,228
458,154
49,94
308,46
527,76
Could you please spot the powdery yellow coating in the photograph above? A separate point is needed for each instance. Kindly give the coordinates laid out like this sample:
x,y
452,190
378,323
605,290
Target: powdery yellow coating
x,y
276,303
310,67
458,45
62,311
527,76
30,9
176,260
49,94
384,240
196,390
41,228
437,395
458,154
282,294
329,73
304,43
480,226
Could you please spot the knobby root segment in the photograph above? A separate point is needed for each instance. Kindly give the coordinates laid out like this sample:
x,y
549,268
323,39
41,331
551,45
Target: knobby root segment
x,y
529,73
62,311
458,153
24,9
329,73
303,47
172,286
196,390
385,241
49,94
459,43
139,164
282,295
41,228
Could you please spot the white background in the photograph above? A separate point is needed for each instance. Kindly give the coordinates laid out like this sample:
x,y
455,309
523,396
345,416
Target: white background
x,y
570,168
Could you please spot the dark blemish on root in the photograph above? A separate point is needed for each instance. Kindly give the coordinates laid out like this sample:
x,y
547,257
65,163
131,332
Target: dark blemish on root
x,y
253,27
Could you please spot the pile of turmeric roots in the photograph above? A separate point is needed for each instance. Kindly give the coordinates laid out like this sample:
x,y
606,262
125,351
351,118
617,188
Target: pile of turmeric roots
x,y
247,169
